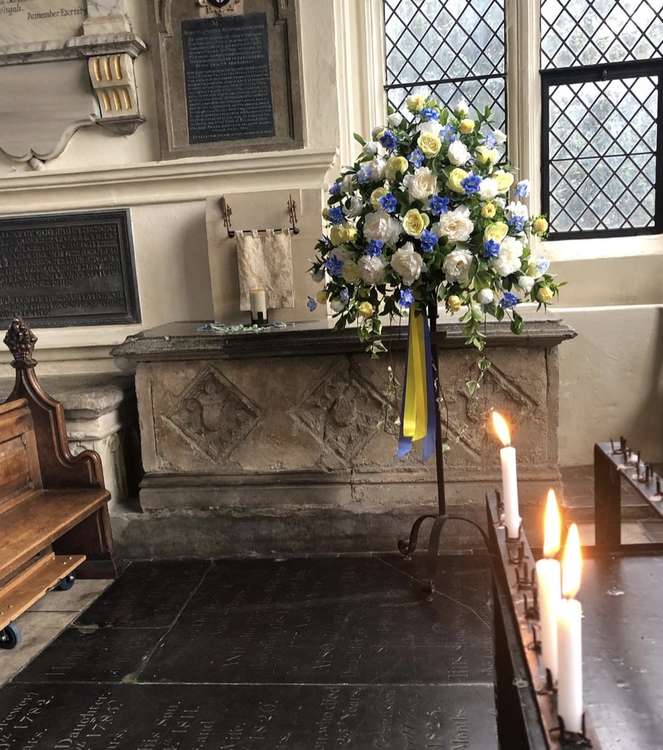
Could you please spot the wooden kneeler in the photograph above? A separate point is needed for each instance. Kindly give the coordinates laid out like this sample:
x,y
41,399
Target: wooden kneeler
x,y
53,506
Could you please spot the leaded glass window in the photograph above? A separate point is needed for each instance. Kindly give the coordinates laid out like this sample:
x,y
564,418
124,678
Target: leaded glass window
x,y
447,48
602,79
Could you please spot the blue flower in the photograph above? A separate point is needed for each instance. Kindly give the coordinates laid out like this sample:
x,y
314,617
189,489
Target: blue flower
x,y
428,240
490,140
311,304
542,265
522,189
416,158
374,248
438,205
344,295
430,114
334,265
335,188
508,300
471,184
363,175
389,140
491,249
517,223
389,203
448,133
405,298
336,215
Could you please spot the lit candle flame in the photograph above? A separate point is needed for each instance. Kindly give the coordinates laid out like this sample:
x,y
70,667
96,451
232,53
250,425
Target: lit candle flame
x,y
571,564
501,427
552,526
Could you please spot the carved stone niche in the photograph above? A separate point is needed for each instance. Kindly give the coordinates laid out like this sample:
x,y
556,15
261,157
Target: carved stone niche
x,y
228,76
64,64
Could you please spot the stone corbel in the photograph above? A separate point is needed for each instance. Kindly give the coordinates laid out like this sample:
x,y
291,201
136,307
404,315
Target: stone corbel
x,y
114,84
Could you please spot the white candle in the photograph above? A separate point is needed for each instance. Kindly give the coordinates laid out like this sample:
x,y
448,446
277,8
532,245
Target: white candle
x,y
549,586
569,637
509,477
258,300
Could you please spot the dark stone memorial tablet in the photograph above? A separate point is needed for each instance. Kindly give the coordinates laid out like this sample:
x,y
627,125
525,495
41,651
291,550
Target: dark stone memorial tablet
x,y
68,269
228,84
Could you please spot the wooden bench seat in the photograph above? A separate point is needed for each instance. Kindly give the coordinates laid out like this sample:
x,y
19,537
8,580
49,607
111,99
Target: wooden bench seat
x,y
39,519
53,505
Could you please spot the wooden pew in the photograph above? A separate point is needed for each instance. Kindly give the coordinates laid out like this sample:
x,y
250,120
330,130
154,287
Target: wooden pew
x,y
53,505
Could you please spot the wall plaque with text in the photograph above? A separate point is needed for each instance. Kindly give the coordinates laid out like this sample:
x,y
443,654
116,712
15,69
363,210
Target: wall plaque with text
x,y
68,269
229,81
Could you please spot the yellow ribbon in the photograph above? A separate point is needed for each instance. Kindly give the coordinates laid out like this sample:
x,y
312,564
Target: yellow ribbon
x,y
415,411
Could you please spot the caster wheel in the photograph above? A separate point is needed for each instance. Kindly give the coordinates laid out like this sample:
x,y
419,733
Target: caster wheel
x,y
10,637
66,583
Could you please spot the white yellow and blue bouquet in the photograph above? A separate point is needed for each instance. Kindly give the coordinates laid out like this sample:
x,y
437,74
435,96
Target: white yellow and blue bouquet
x,y
430,212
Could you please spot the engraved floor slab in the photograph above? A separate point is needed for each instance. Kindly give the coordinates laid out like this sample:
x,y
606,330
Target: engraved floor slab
x,y
342,620
148,595
194,717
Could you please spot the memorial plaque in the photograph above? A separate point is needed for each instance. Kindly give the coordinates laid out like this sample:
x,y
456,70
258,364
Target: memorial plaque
x,y
30,21
68,269
227,81
228,85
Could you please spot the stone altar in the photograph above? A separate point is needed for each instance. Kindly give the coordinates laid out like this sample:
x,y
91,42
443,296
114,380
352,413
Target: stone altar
x,y
285,440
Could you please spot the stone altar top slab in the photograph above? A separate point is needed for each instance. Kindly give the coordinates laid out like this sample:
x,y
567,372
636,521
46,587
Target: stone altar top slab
x,y
185,340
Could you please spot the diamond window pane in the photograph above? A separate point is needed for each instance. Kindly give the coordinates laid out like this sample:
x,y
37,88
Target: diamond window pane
x,y
589,32
602,154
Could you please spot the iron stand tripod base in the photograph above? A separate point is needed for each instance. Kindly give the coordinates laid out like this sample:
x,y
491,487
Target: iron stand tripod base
x,y
439,519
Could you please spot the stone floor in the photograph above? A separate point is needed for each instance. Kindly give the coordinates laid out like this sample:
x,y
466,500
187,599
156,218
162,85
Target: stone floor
x,y
304,654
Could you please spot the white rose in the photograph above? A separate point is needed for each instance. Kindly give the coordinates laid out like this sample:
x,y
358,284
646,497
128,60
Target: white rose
x,y
371,269
371,148
462,108
499,137
430,126
346,184
487,189
337,305
420,185
526,283
508,261
457,265
395,120
458,154
517,209
455,225
407,263
355,208
485,296
379,225
375,169
318,276
538,267
500,202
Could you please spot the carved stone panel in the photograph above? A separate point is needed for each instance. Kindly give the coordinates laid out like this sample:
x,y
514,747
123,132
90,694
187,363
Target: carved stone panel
x,y
228,76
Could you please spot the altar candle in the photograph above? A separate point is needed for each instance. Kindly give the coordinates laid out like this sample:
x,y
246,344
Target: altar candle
x,y
569,636
258,300
509,476
548,580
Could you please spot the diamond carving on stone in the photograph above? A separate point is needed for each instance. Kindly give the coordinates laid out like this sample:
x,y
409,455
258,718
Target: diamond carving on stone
x,y
214,414
342,412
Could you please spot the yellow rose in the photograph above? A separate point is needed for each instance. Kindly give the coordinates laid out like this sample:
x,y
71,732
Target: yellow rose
x,y
376,195
325,214
429,144
486,156
496,231
456,176
321,296
341,233
466,126
351,271
395,166
416,103
488,210
414,222
540,225
544,295
349,232
454,303
365,309
504,181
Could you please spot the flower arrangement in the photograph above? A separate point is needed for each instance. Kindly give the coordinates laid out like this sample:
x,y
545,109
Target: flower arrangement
x,y
430,211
